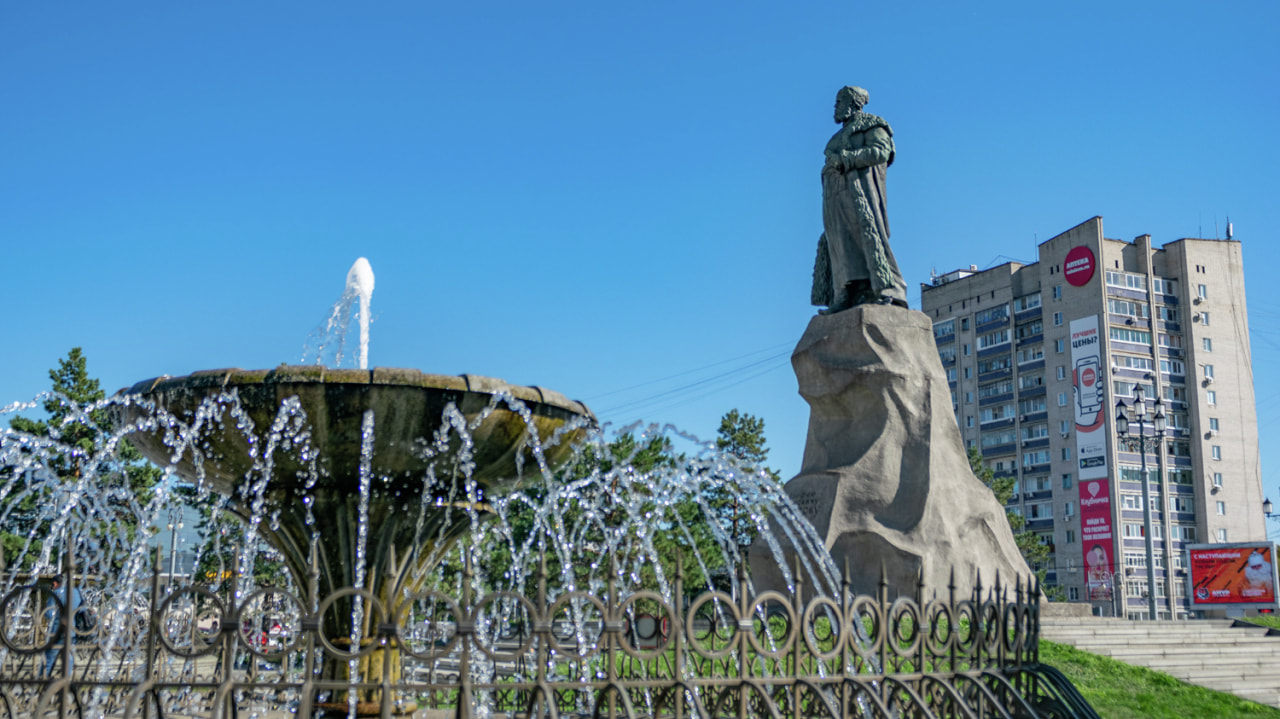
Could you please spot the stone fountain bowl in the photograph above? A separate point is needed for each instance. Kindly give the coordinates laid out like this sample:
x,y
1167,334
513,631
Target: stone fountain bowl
x,y
408,406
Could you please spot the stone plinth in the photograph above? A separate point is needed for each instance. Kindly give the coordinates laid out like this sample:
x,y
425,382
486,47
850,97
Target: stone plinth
x,y
886,479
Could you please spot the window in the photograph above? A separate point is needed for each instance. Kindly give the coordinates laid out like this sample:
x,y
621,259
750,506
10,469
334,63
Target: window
x,y
951,374
1208,371
1066,481
965,351
1062,372
1039,484
1216,451
1062,399
1207,344
1181,504
1030,329
1204,318
1128,308
1040,510
1167,313
1126,280
1213,423
1031,381
1030,354
994,364
994,314
1130,473
991,339
1057,292
1179,420
968,398
996,439
1131,362
996,413
947,353
1071,536
1175,394
1066,453
1211,397
1185,533
1026,303
1057,318
944,329
964,323
1217,479
1031,406
1124,334
1064,427
1222,509
1059,345
968,420
1172,367
1173,341
1031,459
1124,388
1222,535
1039,430
1202,292
1178,448
1164,286
968,372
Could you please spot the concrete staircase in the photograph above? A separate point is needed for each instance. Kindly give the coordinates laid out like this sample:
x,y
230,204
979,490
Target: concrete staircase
x,y
1218,654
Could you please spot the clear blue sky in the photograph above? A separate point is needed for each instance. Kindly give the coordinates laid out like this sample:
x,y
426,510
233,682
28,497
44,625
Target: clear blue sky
x,y
589,196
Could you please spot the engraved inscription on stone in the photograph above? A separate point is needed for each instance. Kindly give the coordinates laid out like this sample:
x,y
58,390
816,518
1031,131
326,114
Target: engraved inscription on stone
x,y
808,504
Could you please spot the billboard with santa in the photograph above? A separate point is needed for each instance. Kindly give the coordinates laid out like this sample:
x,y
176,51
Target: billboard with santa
x,y
1226,575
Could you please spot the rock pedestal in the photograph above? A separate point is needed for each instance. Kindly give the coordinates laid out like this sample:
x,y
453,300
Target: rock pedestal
x,y
885,479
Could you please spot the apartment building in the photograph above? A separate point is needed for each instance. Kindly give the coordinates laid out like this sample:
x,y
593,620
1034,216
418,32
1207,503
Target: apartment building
x,y
1038,356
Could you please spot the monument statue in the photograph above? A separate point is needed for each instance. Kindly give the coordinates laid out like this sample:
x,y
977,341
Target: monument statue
x,y
885,478
855,265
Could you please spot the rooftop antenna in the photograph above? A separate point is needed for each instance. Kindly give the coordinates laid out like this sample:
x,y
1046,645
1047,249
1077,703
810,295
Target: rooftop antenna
x,y
1230,229
1216,236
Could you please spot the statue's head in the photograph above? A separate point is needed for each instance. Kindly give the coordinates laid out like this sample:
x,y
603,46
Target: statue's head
x,y
849,100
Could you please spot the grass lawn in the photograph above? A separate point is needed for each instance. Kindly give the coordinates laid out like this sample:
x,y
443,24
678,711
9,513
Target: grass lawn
x,y
1266,620
1119,691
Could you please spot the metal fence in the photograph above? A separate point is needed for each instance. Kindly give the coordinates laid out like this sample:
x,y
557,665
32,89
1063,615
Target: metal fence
x,y
541,654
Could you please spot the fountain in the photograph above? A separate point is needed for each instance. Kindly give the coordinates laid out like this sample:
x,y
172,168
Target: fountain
x,y
461,543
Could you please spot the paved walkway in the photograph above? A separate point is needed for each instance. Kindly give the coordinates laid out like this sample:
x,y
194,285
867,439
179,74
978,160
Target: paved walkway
x,y
1213,653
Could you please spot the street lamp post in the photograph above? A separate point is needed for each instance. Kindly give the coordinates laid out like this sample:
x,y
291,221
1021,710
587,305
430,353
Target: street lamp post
x,y
1141,442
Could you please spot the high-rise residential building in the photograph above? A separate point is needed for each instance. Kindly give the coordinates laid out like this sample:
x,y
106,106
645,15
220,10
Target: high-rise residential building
x,y
1039,355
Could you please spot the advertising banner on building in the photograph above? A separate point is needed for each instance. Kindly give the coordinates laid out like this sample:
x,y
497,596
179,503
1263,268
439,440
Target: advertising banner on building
x,y
1089,384
1096,537
1232,574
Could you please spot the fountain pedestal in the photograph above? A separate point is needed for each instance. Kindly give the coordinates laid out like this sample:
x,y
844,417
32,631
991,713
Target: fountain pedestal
x,y
886,478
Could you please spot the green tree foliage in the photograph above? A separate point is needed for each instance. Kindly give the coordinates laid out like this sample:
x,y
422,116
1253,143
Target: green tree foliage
x,y
1035,552
124,476
741,435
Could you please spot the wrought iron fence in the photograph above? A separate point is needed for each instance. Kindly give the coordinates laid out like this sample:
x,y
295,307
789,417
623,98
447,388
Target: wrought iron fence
x,y
717,654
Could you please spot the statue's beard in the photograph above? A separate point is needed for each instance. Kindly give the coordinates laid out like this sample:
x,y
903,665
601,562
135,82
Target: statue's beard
x,y
846,115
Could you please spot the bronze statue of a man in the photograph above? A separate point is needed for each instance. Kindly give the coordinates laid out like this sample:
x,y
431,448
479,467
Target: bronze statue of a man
x,y
855,264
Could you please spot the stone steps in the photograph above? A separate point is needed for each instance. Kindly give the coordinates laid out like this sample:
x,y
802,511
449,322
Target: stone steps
x,y
1217,654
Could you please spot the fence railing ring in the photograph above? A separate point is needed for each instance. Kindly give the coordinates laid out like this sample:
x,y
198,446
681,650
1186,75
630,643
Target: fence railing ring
x,y
575,650
637,632
989,613
373,605
763,600
296,634
724,615
527,637
968,627
400,617
863,611
836,629
163,611
6,616
942,627
1011,628
904,626
939,686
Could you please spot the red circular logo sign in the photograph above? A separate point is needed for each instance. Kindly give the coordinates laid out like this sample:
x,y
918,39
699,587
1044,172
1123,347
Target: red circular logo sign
x,y
1079,266
1087,377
